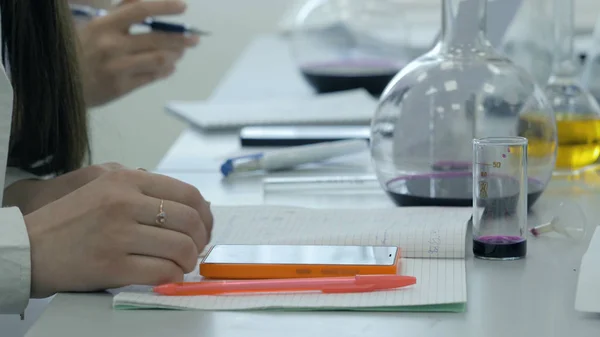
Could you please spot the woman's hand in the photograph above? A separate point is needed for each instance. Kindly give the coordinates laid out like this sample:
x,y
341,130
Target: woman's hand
x,y
116,62
106,235
30,195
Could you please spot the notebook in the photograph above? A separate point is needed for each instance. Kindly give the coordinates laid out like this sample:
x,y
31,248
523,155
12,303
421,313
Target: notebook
x,y
587,298
351,107
432,240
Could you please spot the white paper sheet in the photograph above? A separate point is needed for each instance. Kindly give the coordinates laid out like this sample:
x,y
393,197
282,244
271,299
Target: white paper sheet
x,y
346,107
588,285
432,240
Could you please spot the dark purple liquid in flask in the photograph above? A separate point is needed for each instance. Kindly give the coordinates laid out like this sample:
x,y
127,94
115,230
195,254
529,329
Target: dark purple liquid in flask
x,y
372,76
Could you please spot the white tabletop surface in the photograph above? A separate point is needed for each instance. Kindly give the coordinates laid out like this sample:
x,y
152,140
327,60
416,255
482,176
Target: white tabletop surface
x,y
529,297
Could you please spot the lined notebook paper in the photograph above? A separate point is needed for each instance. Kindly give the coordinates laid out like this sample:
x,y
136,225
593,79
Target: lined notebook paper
x,y
432,240
346,107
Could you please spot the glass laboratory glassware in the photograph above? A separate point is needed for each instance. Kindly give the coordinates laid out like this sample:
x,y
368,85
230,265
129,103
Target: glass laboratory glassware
x,y
590,75
577,111
568,221
529,39
500,198
422,130
348,44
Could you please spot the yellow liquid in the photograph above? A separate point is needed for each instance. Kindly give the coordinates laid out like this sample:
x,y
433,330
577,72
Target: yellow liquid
x,y
578,139
539,133
578,142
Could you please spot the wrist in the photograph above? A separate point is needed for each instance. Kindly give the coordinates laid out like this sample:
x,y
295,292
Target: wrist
x,y
41,284
15,264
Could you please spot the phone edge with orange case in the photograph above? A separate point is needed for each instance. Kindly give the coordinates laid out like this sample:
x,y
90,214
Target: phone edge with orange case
x,y
236,271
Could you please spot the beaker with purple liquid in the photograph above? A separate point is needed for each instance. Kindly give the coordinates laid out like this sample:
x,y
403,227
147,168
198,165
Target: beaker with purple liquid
x,y
500,198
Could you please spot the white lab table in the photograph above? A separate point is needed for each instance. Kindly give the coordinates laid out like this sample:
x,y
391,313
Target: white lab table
x,y
529,297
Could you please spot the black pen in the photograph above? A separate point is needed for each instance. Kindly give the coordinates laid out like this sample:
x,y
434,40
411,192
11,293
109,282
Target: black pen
x,y
91,12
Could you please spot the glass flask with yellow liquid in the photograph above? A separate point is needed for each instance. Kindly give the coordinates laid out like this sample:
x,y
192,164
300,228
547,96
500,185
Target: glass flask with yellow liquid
x,y
577,111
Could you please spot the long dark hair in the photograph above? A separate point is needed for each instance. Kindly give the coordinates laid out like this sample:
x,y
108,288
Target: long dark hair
x,y
49,130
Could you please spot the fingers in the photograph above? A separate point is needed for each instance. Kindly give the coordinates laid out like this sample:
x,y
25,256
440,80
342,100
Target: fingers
x,y
134,12
125,2
144,63
165,244
148,270
167,188
139,80
160,41
179,217
163,187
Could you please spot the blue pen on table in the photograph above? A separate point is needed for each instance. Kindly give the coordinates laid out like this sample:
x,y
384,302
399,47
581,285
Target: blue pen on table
x,y
91,12
292,156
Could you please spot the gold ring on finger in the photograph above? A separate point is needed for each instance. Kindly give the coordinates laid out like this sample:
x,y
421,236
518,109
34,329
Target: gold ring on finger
x,y
161,217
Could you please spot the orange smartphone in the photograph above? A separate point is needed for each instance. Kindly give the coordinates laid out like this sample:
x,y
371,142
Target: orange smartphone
x,y
291,261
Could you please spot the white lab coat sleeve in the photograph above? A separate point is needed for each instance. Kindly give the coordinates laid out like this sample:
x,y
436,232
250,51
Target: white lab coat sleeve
x,y
15,262
15,253
14,174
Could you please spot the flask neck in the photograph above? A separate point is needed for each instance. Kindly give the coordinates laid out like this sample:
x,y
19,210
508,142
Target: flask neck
x,y
563,64
464,26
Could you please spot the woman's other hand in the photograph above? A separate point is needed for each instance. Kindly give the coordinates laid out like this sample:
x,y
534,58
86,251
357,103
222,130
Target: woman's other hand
x,y
116,62
106,235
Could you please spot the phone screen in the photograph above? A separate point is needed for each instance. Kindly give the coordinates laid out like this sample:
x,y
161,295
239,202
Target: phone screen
x,y
309,255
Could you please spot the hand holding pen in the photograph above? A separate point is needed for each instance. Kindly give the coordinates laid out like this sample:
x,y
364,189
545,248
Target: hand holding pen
x,y
116,62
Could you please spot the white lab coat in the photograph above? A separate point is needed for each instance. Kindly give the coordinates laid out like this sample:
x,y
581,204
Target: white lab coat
x,y
15,259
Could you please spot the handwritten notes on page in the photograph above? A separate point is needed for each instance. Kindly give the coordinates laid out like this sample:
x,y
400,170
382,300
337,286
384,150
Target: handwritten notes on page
x,y
432,240
441,286
421,232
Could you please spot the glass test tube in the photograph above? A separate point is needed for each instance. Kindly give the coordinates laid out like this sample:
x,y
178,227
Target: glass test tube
x,y
500,198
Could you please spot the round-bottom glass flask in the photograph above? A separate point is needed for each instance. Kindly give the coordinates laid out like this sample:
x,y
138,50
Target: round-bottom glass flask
x,y
422,130
349,44
577,111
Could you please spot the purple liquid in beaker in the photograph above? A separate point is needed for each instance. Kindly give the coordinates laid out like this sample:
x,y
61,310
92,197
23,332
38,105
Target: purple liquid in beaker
x,y
500,247
334,76
452,188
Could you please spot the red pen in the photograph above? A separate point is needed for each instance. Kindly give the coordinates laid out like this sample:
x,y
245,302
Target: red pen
x,y
327,285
